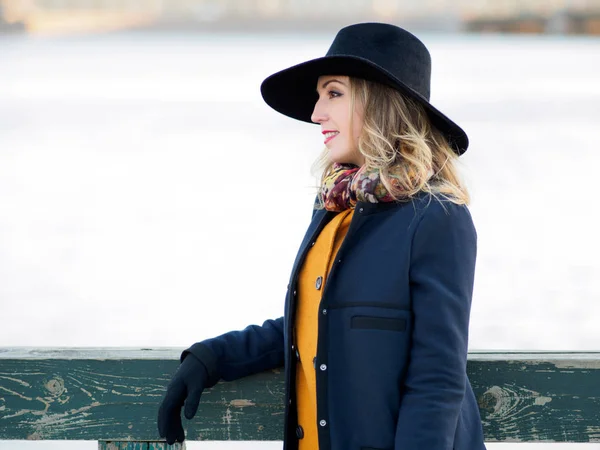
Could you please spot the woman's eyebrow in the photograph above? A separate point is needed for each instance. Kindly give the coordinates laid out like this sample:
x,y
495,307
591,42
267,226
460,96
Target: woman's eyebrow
x,y
331,81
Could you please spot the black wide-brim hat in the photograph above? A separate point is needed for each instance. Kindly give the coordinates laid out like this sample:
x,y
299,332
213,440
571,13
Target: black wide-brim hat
x,y
373,51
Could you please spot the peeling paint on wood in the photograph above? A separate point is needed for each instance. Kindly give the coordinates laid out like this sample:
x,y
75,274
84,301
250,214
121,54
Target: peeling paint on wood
x,y
112,395
533,399
240,403
96,353
99,399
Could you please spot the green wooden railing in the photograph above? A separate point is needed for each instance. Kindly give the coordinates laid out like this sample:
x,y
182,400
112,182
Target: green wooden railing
x,y
111,396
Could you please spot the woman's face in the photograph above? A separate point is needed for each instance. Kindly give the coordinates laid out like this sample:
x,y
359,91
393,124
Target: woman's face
x,y
340,126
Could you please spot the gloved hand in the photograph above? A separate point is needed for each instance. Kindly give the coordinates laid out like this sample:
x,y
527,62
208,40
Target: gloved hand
x,y
186,386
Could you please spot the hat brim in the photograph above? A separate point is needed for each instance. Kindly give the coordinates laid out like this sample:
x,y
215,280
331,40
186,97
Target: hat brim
x,y
292,91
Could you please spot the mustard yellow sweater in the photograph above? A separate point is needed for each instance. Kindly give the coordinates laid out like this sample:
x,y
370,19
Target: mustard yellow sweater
x,y
310,288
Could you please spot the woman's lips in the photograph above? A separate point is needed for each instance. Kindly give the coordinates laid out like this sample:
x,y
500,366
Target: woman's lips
x,y
329,136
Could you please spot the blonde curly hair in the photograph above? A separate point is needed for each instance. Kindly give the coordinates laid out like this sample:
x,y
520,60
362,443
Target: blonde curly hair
x,y
398,133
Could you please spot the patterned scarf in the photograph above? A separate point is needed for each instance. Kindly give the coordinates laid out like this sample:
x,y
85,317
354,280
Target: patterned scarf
x,y
346,184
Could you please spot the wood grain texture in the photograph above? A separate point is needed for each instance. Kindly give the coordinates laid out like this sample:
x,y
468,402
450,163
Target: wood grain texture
x,y
538,397
112,396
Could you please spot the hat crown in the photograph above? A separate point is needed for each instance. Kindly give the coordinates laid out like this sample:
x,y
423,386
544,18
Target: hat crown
x,y
392,48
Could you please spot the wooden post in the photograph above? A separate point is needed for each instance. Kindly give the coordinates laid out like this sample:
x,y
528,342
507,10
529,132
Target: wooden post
x,y
122,445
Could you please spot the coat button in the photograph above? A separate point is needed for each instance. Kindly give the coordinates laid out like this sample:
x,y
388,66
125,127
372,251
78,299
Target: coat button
x,y
323,367
361,210
325,312
319,282
299,432
322,423
297,355
312,244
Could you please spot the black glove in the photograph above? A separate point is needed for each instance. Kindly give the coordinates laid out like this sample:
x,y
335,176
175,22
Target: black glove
x,y
186,385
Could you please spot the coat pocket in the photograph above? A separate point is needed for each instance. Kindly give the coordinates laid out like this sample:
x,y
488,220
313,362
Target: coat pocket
x,y
377,323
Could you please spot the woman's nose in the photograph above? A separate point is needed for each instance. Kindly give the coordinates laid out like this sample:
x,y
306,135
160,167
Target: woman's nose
x,y
318,114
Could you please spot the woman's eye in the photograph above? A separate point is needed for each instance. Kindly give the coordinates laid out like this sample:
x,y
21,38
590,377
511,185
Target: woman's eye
x,y
333,94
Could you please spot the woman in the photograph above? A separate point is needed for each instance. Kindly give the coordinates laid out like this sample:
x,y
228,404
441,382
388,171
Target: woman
x,y
374,334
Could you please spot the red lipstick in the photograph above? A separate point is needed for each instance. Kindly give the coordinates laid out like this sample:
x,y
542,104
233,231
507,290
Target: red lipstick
x,y
331,136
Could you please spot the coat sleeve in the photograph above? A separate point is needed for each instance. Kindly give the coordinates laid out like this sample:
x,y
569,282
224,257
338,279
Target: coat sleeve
x,y
238,354
441,283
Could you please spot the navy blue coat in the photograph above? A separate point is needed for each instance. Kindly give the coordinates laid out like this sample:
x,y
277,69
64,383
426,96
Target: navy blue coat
x,y
393,324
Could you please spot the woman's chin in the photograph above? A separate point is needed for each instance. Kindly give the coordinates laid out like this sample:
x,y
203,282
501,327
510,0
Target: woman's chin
x,y
345,161
341,158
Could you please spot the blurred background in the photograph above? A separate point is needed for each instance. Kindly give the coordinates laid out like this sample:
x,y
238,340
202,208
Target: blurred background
x,y
148,196
84,16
